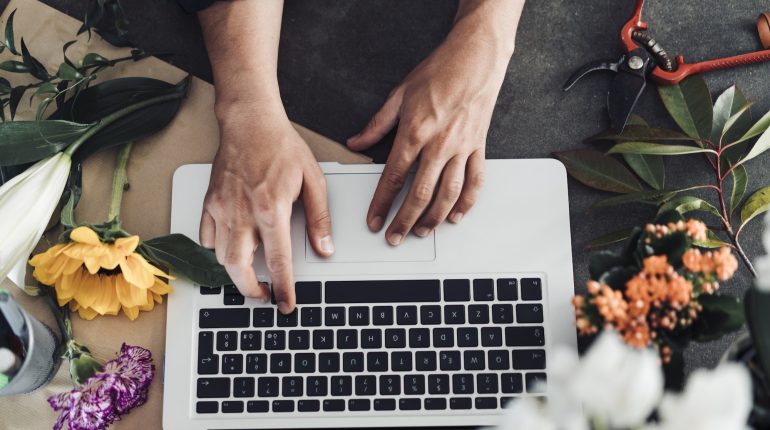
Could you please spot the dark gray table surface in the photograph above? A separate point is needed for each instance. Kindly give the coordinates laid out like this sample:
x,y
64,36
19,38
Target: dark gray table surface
x,y
339,59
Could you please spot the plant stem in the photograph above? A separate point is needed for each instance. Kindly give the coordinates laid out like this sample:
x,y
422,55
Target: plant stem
x,y
119,184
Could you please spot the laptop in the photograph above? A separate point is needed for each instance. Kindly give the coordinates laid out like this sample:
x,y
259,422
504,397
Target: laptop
x,y
440,331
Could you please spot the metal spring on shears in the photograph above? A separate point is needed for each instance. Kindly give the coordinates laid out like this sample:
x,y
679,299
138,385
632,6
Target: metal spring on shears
x,y
662,58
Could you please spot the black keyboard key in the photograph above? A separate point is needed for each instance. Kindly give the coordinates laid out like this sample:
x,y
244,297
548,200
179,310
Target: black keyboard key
x,y
409,404
207,291
395,338
275,339
401,361
283,405
483,290
329,362
376,361
341,385
231,290
291,386
280,363
505,400
227,340
358,315
502,314
251,340
434,404
258,406
353,362
206,342
371,338
529,313
430,315
317,386
232,364
212,388
304,363
406,315
524,336
233,300
310,316
243,387
462,383
267,386
390,385
438,384
474,360
449,360
334,316
347,339
308,405
264,317
334,405
528,359
382,315
467,337
531,289
507,289
425,361
366,385
289,320
486,383
535,382
232,406
498,359
223,318
206,407
308,292
443,337
486,402
323,339
478,314
460,403
491,336
384,404
358,405
454,314
511,383
256,363
208,364
299,339
457,290
419,338
414,384
400,291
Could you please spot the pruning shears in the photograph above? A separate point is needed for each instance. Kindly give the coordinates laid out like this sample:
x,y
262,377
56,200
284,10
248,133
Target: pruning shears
x,y
644,57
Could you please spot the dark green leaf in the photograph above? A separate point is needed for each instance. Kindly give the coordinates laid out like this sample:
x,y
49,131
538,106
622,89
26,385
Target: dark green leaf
x,y
654,197
762,145
610,238
5,86
721,315
729,103
641,133
740,182
649,167
64,52
689,104
14,66
114,38
757,204
16,95
46,88
686,204
672,245
617,277
712,241
67,72
94,14
36,68
9,39
95,59
601,262
666,217
655,149
186,258
758,321
28,141
599,171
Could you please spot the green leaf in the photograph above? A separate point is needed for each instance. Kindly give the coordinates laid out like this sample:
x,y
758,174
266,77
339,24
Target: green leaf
x,y
14,66
67,72
16,95
94,59
5,85
634,133
9,43
673,245
186,258
740,182
610,238
727,105
649,167
686,204
64,52
721,314
29,141
46,88
762,145
655,149
36,68
655,197
689,104
599,171
601,262
758,203
712,241
758,321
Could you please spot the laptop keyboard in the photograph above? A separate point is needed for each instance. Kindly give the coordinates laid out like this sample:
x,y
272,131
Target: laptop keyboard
x,y
391,346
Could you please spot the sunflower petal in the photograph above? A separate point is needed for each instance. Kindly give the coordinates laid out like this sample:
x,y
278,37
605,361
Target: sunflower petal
x,y
132,313
85,235
137,271
87,313
127,245
88,290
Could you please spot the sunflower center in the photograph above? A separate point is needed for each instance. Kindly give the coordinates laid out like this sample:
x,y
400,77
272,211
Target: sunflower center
x,y
109,272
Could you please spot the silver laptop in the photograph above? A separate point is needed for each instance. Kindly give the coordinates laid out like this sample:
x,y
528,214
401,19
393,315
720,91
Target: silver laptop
x,y
440,331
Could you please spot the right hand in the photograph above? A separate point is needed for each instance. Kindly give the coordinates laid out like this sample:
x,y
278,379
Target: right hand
x,y
262,166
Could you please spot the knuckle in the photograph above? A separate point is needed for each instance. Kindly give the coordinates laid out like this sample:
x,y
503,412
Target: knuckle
x,y
394,180
453,189
278,263
477,180
322,219
423,193
416,134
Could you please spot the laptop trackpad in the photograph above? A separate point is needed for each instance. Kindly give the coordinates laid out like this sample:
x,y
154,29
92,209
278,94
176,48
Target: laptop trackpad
x,y
349,198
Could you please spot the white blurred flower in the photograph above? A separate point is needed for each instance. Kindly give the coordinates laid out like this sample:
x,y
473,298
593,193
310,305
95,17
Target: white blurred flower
x,y
26,204
762,264
527,414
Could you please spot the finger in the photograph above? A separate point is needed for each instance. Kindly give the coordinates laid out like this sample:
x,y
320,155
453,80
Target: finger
x,y
239,257
207,231
452,179
380,124
319,223
417,200
390,184
474,181
220,242
274,227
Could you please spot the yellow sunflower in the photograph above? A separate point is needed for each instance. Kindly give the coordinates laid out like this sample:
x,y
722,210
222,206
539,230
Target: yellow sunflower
x,y
98,278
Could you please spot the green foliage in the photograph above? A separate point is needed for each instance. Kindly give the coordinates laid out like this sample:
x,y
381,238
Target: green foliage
x,y
689,104
186,258
599,171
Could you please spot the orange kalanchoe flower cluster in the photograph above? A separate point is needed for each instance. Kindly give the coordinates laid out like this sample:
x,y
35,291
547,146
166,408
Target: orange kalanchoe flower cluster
x,y
694,228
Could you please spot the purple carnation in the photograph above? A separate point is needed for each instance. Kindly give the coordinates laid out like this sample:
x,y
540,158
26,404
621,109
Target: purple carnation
x,y
121,386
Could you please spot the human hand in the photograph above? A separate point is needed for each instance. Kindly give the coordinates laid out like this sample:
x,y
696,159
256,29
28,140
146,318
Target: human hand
x,y
262,166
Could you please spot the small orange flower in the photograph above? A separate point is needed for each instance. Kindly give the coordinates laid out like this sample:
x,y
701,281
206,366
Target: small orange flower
x,y
696,229
657,265
692,260
637,333
611,305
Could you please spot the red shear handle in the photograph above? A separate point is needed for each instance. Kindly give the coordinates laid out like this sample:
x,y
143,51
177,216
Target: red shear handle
x,y
633,24
684,70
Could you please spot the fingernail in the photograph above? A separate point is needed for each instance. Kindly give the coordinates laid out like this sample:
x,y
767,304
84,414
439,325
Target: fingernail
x,y
422,231
456,217
327,246
283,307
376,223
395,238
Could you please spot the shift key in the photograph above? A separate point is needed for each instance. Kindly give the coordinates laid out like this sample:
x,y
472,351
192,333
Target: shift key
x,y
224,318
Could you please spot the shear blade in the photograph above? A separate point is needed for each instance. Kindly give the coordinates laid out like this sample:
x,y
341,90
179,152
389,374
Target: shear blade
x,y
625,91
594,66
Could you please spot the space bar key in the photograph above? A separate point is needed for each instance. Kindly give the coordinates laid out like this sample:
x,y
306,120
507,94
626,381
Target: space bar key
x,y
389,291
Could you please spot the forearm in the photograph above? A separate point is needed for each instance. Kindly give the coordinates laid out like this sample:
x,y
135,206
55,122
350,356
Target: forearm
x,y
242,42
489,24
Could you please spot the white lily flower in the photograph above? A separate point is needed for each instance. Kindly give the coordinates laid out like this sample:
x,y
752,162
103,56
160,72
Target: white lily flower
x,y
27,202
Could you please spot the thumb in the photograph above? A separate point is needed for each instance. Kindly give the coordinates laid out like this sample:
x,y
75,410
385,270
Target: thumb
x,y
380,124
319,223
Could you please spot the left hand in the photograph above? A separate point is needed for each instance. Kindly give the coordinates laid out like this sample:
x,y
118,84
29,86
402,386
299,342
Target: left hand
x,y
443,109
